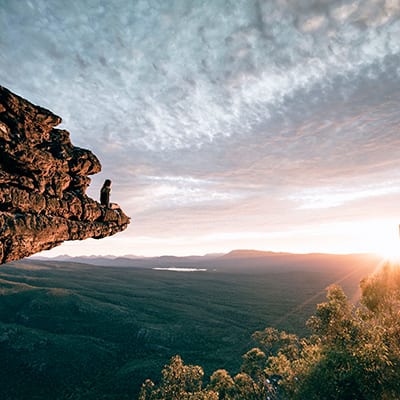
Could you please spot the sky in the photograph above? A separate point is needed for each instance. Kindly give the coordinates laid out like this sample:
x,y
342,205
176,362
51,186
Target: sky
x,y
223,124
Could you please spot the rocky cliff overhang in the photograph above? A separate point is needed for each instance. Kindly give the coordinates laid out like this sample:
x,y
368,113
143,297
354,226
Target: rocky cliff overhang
x,y
43,180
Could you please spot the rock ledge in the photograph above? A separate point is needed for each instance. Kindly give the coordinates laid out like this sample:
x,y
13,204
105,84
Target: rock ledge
x,y
43,180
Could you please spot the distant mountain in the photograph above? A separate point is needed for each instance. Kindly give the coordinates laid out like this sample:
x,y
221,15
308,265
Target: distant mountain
x,y
236,260
250,254
66,257
126,259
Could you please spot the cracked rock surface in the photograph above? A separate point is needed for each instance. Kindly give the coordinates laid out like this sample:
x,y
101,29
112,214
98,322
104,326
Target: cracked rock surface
x,y
43,180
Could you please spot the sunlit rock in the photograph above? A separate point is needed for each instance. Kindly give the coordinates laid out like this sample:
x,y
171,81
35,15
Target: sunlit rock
x,y
43,180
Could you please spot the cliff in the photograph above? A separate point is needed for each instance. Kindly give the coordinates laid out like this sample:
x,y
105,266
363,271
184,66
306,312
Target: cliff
x,y
43,180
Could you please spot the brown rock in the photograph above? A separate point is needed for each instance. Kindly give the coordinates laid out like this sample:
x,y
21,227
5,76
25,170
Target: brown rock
x,y
43,181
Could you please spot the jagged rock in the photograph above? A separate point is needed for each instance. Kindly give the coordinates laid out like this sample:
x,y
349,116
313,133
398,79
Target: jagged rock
x,y
43,179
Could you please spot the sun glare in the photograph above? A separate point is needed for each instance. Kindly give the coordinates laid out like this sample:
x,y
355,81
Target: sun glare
x,y
387,244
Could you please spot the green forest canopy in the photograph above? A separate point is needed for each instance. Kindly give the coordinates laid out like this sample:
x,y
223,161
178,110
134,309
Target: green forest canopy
x,y
353,352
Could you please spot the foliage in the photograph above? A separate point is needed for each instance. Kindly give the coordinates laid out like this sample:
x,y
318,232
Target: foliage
x,y
352,353
223,384
184,382
58,318
179,382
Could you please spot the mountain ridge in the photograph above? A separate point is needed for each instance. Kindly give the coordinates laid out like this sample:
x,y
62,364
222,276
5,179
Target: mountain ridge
x,y
253,260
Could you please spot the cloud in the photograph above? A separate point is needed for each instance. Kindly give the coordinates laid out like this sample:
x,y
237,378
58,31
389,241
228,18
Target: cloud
x,y
171,76
327,197
342,12
205,110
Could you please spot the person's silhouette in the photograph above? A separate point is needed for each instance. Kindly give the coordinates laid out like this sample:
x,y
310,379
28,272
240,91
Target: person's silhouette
x,y
105,193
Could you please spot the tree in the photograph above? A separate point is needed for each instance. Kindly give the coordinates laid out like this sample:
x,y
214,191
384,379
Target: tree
x,y
352,353
179,382
223,384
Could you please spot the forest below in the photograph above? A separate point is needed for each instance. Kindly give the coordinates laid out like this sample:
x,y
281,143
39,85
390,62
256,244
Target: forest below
x,y
70,330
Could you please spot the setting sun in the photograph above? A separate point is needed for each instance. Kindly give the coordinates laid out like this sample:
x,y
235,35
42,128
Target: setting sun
x,y
385,241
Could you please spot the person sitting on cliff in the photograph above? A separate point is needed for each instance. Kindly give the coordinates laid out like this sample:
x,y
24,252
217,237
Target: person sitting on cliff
x,y
105,193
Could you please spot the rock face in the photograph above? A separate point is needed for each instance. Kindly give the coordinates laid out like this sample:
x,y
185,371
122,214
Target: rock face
x,y
43,180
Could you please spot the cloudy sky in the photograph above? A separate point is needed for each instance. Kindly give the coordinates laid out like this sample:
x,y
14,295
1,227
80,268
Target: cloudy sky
x,y
223,124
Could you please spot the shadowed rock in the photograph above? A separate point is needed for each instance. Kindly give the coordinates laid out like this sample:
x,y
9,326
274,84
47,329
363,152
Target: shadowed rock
x,y
43,180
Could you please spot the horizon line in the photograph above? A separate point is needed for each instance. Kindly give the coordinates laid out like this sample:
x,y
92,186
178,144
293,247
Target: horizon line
x,y
216,254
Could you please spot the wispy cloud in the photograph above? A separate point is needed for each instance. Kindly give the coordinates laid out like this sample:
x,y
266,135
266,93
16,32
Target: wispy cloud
x,y
328,197
220,107
172,76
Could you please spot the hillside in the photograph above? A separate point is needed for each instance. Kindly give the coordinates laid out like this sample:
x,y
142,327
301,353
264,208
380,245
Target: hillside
x,y
70,330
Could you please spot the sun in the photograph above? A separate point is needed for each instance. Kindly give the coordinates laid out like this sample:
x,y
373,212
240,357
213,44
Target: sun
x,y
386,243
391,251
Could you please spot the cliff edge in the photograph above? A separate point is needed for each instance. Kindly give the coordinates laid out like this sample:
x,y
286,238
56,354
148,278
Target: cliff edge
x,y
43,180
